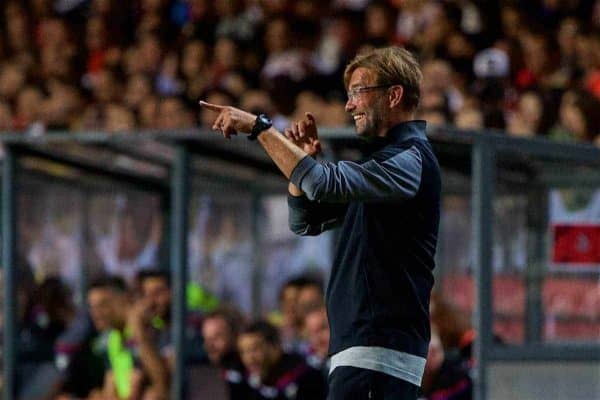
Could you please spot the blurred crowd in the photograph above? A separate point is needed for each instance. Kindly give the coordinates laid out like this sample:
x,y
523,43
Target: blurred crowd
x,y
121,347
527,68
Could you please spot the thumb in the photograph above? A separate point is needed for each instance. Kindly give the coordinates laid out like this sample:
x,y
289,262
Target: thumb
x,y
310,117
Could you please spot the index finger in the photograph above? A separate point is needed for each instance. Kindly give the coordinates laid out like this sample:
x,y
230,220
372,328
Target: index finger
x,y
211,106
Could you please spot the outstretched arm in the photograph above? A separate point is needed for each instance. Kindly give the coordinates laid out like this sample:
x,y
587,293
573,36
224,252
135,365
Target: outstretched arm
x,y
284,153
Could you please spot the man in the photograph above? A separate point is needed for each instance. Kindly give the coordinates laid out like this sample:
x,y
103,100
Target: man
x,y
316,331
79,359
154,287
310,296
220,330
289,317
273,374
444,378
388,206
132,354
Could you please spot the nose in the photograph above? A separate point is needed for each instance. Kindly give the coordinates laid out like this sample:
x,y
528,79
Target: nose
x,y
349,105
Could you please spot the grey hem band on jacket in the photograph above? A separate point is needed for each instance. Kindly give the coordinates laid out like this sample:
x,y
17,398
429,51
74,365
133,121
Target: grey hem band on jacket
x,y
401,365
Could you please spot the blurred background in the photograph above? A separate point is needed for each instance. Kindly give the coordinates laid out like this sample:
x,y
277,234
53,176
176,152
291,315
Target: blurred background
x,y
91,257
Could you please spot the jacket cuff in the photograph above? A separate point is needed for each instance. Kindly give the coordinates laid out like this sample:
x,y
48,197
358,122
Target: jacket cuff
x,y
298,201
301,170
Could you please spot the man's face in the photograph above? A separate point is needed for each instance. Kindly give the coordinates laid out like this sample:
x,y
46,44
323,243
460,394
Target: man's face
x,y
217,339
368,107
435,354
308,297
104,304
257,355
158,293
317,331
289,306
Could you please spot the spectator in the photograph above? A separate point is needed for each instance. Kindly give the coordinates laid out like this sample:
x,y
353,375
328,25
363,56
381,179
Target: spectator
x,y
147,112
47,314
5,117
80,359
452,328
443,378
167,80
133,357
310,295
579,120
12,79
469,118
155,289
527,119
17,30
273,374
316,331
379,23
139,88
28,105
122,249
220,332
173,114
234,21
287,318
194,68
118,118
61,108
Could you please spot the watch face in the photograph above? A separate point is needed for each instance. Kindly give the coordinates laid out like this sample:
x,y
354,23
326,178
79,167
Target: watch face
x,y
265,120
262,124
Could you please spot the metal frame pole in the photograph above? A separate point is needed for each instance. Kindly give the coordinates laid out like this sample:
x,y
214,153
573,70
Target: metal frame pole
x,y
85,240
483,166
537,221
257,259
9,249
180,189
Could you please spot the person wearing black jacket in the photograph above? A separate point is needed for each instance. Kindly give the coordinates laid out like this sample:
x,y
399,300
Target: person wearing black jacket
x,y
220,331
273,374
388,206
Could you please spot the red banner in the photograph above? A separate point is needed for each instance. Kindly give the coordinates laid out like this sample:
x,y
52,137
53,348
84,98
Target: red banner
x,y
576,244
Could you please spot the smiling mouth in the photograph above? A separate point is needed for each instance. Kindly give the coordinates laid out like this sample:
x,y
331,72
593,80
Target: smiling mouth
x,y
358,117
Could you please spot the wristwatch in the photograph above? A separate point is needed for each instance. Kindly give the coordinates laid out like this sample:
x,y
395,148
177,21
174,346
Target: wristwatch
x,y
262,124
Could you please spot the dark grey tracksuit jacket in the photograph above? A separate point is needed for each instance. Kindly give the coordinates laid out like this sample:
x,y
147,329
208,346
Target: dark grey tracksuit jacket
x,y
389,207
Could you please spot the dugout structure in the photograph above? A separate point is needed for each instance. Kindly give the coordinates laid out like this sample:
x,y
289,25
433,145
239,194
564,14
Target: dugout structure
x,y
497,252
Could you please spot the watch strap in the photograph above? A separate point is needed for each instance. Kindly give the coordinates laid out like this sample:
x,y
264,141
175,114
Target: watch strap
x,y
262,124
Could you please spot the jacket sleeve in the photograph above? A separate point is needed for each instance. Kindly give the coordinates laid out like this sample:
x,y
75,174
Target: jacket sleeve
x,y
396,177
310,218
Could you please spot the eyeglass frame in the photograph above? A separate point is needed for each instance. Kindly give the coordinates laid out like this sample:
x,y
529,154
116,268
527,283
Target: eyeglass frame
x,y
355,91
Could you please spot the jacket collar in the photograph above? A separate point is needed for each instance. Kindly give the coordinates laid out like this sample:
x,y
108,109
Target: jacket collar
x,y
407,130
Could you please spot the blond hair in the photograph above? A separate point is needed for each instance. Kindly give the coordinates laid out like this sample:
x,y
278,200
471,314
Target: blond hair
x,y
392,66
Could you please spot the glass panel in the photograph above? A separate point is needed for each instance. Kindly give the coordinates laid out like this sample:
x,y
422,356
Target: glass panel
x,y
509,262
453,299
543,380
125,233
287,255
220,248
50,232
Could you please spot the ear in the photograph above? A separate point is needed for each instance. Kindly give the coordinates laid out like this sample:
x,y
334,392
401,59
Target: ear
x,y
395,95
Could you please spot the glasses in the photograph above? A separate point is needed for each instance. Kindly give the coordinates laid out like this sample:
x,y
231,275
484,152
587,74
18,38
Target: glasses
x,y
355,91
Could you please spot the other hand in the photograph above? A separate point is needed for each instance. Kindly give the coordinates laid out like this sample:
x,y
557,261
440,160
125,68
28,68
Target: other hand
x,y
304,134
